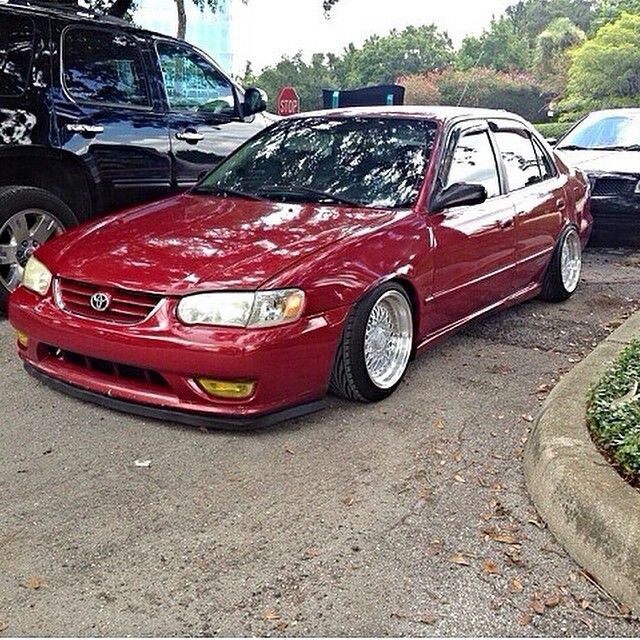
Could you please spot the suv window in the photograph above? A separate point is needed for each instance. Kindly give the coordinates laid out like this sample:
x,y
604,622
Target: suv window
x,y
474,162
16,50
519,157
193,84
104,66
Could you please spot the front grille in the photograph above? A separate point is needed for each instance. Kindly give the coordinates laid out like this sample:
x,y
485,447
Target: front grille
x,y
114,370
614,186
127,307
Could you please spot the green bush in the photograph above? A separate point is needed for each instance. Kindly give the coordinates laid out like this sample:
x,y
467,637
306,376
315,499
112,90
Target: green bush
x,y
553,129
613,414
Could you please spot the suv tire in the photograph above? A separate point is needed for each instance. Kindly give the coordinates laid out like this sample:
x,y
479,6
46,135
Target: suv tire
x,y
28,217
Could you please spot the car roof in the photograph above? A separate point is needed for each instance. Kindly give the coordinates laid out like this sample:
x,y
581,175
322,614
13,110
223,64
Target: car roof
x,y
70,12
432,112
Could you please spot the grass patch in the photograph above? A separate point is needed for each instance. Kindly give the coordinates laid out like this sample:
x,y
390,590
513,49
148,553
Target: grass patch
x,y
613,411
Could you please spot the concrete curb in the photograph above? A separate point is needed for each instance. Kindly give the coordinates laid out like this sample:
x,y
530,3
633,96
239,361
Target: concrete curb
x,y
589,508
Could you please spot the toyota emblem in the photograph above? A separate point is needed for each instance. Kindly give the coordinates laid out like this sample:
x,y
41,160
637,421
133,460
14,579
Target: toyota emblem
x,y
100,301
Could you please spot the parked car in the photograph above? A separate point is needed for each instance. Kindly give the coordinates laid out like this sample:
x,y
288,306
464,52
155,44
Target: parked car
x,y
96,115
323,254
606,146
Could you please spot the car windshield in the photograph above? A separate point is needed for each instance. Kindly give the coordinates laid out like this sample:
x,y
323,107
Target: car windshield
x,y
605,131
366,161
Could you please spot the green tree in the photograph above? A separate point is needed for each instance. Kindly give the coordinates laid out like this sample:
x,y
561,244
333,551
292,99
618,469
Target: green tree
x,y
382,59
605,70
551,56
610,10
500,47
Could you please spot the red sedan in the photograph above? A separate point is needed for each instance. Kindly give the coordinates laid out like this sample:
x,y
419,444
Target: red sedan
x,y
323,255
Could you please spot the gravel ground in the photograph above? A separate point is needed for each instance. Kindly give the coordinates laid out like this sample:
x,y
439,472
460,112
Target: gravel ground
x,y
403,518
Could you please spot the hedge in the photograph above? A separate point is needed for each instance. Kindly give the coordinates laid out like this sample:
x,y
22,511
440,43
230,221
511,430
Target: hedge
x,y
553,129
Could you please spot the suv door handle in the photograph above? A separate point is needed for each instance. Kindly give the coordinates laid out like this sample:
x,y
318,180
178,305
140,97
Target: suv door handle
x,y
85,129
192,137
560,203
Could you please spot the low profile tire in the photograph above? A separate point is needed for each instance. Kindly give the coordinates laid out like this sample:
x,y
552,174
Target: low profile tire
x,y
375,347
563,273
28,218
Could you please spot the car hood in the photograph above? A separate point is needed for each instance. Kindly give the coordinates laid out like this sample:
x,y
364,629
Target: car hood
x,y
598,161
202,243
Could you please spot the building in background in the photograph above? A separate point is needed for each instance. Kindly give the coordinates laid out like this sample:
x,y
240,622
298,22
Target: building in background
x,y
206,30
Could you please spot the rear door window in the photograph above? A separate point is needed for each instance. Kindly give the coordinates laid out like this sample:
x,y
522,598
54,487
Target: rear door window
x,y
519,158
103,66
16,52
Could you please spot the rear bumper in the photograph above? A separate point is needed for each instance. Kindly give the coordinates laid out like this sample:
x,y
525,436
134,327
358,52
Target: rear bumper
x,y
150,368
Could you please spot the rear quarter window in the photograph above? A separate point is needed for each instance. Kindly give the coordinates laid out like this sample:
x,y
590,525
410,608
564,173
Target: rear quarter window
x,y
16,52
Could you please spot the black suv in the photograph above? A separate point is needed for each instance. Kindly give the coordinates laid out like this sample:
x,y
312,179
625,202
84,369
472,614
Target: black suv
x,y
96,115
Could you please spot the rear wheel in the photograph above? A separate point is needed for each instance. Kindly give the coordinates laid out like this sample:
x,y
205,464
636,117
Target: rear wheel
x,y
28,218
375,347
563,273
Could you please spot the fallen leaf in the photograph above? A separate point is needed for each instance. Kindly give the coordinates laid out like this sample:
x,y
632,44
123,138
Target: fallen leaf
x,y
348,500
427,618
282,625
504,537
435,548
490,567
311,552
34,582
459,478
517,586
537,606
270,614
525,619
438,424
458,558
552,601
544,388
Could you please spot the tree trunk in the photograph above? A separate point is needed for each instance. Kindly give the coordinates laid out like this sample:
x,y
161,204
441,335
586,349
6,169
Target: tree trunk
x,y
182,19
120,7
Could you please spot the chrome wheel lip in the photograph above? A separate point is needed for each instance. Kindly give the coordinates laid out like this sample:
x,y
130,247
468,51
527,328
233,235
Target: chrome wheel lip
x,y
571,261
388,339
25,230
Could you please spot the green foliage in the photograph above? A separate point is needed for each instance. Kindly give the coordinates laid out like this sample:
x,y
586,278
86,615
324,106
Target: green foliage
x,y
381,60
605,70
551,59
483,87
610,10
500,47
613,414
553,129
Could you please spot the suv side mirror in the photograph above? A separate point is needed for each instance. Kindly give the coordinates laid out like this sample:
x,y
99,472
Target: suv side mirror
x,y
460,194
255,101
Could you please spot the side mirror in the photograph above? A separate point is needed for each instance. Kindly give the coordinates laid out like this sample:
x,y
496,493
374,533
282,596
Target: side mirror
x,y
460,194
551,141
255,101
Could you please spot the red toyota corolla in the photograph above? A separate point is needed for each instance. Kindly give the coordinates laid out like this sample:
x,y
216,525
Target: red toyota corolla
x,y
322,255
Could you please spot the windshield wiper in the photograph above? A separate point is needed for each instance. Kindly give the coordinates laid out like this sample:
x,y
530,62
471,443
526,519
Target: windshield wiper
x,y
225,192
620,147
574,147
298,190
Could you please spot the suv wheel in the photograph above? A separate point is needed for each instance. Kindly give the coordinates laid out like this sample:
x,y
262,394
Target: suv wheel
x,y
28,218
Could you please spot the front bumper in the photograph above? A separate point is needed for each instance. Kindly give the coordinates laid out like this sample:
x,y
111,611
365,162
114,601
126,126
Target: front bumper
x,y
150,368
616,220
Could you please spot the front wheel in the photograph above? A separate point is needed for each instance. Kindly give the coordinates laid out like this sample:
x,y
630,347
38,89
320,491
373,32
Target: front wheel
x,y
376,346
28,218
563,273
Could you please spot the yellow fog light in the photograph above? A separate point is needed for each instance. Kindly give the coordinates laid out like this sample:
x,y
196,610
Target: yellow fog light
x,y
23,339
233,389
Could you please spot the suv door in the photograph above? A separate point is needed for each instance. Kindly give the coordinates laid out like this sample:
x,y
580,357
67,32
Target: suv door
x,y
474,254
537,190
204,112
108,115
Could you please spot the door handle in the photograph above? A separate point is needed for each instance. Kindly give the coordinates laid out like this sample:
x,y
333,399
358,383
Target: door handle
x,y
560,203
192,137
506,224
85,129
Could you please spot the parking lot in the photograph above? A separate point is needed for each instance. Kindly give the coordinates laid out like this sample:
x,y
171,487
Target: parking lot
x,y
407,517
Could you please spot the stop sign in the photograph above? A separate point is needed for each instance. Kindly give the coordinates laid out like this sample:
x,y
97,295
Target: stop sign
x,y
288,101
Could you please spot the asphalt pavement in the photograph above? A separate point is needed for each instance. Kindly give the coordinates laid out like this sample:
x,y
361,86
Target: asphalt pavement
x,y
406,517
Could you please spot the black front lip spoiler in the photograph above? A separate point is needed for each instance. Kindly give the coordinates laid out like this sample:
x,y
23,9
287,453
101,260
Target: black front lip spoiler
x,y
190,418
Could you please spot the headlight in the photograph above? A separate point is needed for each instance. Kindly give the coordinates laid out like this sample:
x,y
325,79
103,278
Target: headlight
x,y
240,309
36,276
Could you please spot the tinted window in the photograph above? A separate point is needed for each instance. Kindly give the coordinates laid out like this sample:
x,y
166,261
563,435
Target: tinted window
x,y
16,50
519,157
474,162
192,84
547,169
372,161
104,66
